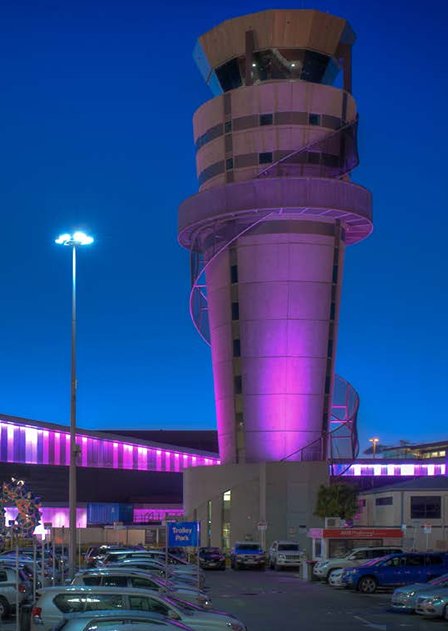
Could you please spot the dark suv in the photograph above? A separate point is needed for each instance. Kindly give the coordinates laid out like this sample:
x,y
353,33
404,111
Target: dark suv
x,y
247,554
212,559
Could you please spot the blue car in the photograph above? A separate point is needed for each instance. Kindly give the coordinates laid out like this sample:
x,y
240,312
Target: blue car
x,y
394,570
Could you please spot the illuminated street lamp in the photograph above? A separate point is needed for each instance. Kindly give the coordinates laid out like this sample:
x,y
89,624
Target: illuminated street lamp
x,y
374,442
73,241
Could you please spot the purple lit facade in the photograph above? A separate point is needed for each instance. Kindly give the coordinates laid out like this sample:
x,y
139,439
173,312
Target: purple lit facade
x,y
45,445
389,469
268,229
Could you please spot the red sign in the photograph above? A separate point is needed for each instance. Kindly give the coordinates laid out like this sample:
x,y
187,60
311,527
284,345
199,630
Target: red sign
x,y
362,533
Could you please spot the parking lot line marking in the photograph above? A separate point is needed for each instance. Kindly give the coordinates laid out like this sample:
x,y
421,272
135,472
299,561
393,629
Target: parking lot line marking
x,y
371,625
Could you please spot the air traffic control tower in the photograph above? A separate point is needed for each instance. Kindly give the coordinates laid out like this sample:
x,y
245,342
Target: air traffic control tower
x,y
268,229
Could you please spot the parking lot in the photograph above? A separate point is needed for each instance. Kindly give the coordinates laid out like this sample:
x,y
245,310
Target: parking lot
x,y
280,601
273,601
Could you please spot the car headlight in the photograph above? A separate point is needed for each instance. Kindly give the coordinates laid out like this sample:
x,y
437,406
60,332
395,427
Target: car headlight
x,y
433,601
282,557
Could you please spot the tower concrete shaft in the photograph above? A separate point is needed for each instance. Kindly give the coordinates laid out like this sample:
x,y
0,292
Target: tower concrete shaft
x,y
268,230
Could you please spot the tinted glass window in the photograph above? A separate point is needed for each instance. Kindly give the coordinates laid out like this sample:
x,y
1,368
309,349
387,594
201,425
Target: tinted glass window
x,y
394,562
426,507
360,555
290,547
69,603
434,559
143,603
91,580
384,501
414,560
115,581
138,581
3,576
97,602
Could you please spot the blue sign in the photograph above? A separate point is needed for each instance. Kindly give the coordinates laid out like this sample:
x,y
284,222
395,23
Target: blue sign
x,y
183,534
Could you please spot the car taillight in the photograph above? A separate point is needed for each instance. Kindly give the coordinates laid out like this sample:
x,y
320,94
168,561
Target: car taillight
x,y
22,588
36,614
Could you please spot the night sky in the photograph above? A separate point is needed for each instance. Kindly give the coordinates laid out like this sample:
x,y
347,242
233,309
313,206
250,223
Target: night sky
x,y
95,129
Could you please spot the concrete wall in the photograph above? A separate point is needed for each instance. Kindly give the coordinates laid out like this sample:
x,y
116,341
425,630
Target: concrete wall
x,y
281,494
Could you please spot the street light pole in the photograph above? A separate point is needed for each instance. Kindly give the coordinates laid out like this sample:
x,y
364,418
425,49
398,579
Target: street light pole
x,y
72,493
374,442
75,240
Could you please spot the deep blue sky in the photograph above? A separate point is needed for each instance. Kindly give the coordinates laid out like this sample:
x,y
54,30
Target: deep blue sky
x,y
95,132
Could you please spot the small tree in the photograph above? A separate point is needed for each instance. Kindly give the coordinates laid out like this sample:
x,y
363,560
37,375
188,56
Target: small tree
x,y
337,500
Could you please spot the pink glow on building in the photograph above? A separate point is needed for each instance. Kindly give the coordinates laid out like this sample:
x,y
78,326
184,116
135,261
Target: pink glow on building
x,y
34,445
57,448
148,515
387,469
59,517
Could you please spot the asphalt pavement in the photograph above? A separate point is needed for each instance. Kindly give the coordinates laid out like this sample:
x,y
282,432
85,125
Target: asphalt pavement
x,y
280,601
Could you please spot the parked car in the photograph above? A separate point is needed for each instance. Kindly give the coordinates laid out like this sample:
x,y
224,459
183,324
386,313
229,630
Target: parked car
x,y
394,570
335,579
212,559
247,554
405,598
125,620
125,577
357,556
97,553
116,556
433,604
54,603
8,590
284,554
178,573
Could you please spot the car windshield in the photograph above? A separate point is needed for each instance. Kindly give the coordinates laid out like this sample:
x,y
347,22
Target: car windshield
x,y
288,547
375,561
248,547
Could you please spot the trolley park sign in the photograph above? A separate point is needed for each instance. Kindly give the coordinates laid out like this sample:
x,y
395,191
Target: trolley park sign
x,y
355,533
183,534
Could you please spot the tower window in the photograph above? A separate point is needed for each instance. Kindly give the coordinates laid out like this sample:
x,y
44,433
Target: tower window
x,y
229,164
238,384
266,119
234,273
314,119
236,348
227,127
332,311
235,311
265,157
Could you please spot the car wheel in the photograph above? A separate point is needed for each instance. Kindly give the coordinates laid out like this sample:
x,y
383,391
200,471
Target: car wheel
x,y
277,567
367,585
331,572
4,608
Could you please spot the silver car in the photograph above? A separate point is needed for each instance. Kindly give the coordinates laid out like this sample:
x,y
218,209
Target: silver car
x,y
127,577
8,590
122,621
434,604
56,602
405,598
